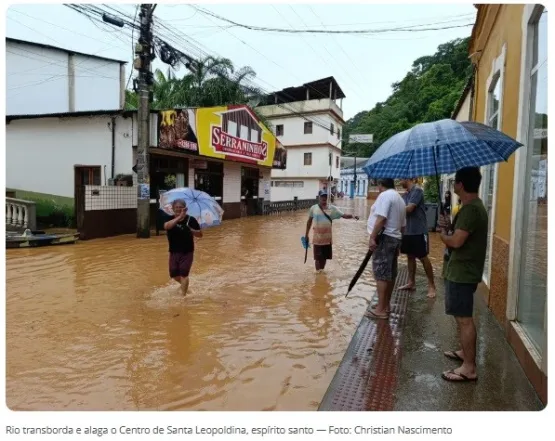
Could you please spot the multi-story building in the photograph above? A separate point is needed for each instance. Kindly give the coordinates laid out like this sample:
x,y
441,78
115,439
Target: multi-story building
x,y
308,121
44,79
508,48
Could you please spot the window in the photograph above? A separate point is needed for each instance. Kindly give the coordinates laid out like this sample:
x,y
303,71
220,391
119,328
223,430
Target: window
x,y
532,290
308,159
489,172
279,130
332,129
337,162
339,133
307,128
88,175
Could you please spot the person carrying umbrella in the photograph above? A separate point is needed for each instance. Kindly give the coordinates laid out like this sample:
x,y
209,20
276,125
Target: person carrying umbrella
x,y
386,225
463,268
181,230
416,244
321,215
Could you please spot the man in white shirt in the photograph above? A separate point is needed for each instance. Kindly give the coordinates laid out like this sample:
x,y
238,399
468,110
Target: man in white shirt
x,y
386,225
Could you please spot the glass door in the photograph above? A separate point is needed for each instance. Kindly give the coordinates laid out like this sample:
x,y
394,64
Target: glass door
x,y
532,293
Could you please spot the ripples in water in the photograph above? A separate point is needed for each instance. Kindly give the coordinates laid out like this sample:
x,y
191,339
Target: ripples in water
x,y
98,326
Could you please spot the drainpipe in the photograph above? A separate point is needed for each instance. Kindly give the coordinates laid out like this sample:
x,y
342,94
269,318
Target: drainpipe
x,y
113,146
472,93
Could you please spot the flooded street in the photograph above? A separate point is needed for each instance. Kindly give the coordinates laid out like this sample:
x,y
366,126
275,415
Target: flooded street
x,y
99,326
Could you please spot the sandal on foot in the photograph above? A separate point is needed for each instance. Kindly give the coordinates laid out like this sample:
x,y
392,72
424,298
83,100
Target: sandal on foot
x,y
387,311
372,314
460,378
453,355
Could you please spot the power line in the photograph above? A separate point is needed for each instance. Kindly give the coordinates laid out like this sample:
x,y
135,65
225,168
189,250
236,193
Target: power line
x,y
413,28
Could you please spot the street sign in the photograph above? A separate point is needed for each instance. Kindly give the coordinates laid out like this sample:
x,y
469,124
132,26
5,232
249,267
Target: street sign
x,y
361,139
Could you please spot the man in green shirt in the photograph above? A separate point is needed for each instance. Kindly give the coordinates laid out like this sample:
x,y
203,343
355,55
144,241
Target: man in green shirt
x,y
466,241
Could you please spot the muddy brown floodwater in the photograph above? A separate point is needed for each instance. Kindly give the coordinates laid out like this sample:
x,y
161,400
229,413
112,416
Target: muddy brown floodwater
x,y
98,325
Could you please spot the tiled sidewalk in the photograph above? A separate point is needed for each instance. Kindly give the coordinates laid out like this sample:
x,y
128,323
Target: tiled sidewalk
x,y
397,365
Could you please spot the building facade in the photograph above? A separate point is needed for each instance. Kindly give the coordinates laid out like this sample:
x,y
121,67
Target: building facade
x,y
43,79
223,151
509,50
308,121
52,153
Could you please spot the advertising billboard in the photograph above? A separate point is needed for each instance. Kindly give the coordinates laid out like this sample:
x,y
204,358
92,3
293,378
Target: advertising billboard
x,y
231,133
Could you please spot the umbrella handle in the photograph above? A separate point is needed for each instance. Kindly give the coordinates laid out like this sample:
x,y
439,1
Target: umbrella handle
x,y
441,210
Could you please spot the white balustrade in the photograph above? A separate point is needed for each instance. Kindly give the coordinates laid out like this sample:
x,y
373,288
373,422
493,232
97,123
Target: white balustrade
x,y
20,214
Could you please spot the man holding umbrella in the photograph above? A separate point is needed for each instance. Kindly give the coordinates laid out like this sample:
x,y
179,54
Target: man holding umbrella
x,y
321,215
463,268
181,228
386,225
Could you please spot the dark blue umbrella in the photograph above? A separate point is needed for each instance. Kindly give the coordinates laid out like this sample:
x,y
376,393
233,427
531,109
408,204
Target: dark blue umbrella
x,y
439,147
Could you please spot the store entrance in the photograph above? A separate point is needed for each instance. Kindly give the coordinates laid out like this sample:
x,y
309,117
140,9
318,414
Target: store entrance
x,y
209,177
250,178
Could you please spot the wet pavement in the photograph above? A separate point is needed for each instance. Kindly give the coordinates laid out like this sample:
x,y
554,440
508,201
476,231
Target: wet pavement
x,y
99,326
428,332
397,364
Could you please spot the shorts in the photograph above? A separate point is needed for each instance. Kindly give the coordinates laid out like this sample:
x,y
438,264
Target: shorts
x,y
180,264
322,252
385,258
459,298
415,245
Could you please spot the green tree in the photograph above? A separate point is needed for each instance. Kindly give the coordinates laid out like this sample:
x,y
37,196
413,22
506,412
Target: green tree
x,y
428,92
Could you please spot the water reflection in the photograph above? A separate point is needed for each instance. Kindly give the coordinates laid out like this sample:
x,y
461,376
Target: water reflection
x,y
98,326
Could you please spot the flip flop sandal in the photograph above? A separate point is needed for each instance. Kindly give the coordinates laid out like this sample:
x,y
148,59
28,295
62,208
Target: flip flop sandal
x,y
388,311
461,377
453,356
372,314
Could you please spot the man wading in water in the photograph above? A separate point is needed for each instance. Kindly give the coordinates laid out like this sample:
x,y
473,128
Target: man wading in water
x,y
322,215
180,231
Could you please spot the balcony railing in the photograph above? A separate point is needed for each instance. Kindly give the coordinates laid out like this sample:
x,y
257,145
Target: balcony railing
x,y
20,215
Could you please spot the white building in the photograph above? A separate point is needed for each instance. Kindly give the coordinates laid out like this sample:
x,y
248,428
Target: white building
x,y
347,183
308,122
43,79
51,154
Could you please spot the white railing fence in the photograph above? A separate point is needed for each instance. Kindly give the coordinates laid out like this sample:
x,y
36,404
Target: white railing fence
x,y
20,214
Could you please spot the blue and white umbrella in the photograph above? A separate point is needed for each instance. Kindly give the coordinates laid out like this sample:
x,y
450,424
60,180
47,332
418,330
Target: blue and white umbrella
x,y
200,205
439,147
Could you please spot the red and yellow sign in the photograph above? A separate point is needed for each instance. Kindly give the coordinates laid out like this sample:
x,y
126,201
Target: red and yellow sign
x,y
231,132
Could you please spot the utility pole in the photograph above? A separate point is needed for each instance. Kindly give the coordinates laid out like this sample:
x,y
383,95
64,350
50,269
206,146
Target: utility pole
x,y
145,54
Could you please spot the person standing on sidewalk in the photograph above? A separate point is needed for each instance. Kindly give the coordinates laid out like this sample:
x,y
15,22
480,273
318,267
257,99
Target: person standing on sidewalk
x,y
463,268
321,215
386,226
415,242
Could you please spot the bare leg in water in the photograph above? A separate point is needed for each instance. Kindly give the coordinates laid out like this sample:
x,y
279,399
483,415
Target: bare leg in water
x,y
184,282
320,265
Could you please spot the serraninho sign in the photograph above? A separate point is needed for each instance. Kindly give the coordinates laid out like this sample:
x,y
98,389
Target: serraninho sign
x,y
232,132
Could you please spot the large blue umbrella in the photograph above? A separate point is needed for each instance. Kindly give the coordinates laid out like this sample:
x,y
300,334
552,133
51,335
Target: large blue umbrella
x,y
439,147
435,148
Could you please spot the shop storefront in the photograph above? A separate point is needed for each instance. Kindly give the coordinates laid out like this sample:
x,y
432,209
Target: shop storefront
x,y
229,154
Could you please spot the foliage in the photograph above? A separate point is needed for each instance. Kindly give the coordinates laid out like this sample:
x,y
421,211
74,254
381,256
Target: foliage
x,y
213,82
51,210
429,91
430,189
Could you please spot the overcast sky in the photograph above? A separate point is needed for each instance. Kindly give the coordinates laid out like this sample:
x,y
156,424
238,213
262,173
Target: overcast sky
x,y
365,66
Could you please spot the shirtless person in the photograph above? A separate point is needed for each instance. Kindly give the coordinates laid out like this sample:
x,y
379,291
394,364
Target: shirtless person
x,y
181,228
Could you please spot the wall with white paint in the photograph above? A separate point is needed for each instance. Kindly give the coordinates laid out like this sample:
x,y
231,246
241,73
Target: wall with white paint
x,y
41,153
38,81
